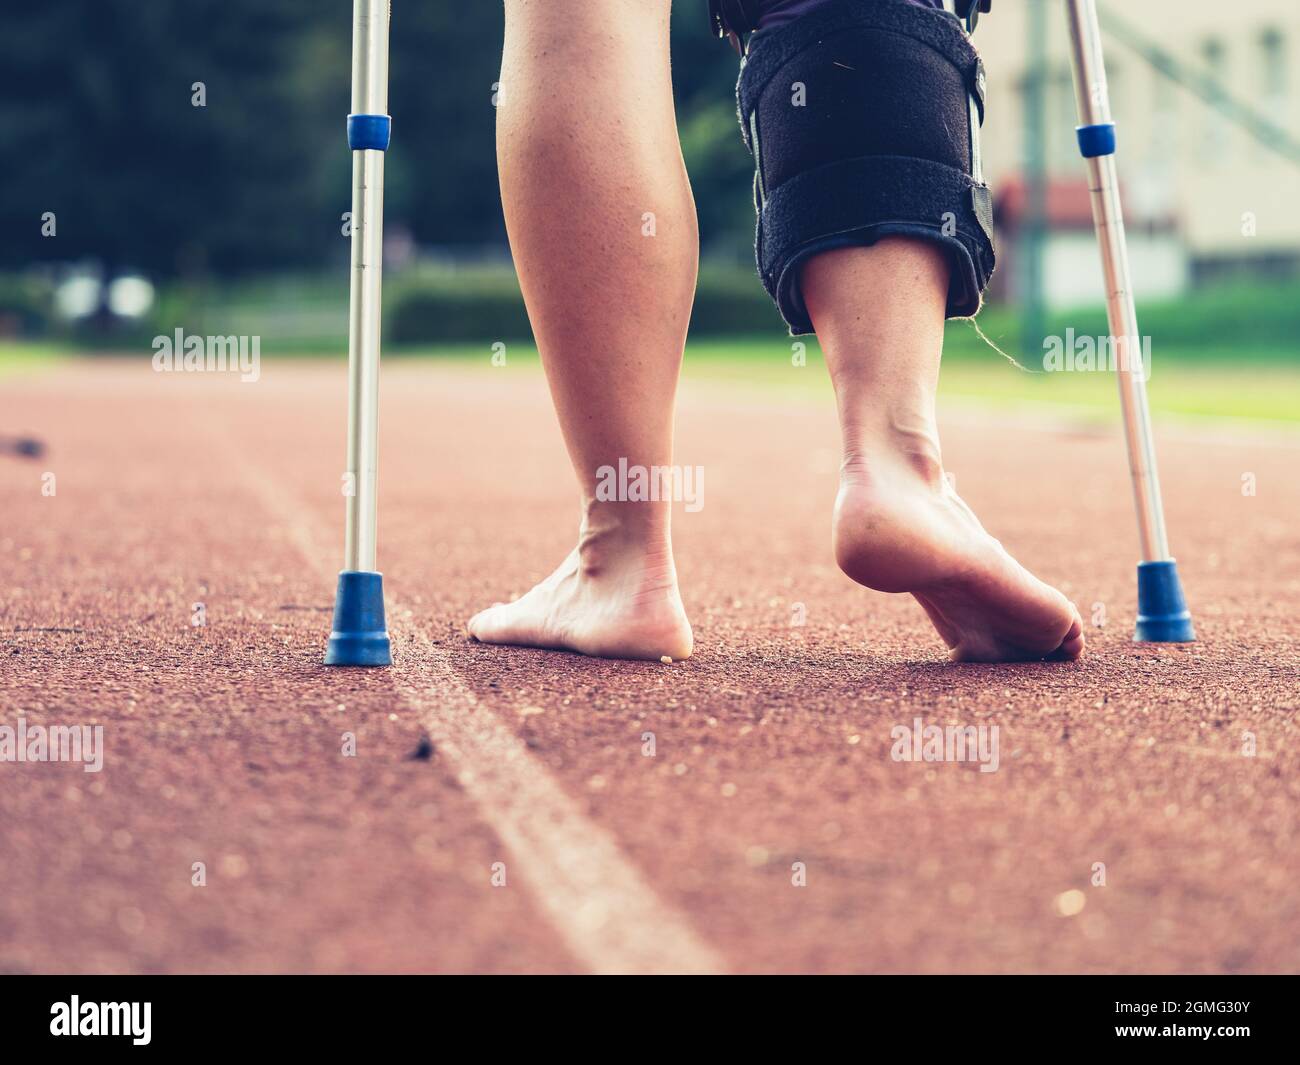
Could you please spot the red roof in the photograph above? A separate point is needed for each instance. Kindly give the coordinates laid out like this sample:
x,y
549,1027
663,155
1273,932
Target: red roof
x,y
1069,205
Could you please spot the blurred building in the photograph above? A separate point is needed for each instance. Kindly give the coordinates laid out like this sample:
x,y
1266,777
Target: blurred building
x,y
1204,199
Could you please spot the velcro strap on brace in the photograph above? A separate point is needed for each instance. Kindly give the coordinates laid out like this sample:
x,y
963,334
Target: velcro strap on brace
x,y
893,194
937,29
862,118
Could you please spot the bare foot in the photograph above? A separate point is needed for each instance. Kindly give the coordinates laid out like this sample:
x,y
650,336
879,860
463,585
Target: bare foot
x,y
611,598
900,527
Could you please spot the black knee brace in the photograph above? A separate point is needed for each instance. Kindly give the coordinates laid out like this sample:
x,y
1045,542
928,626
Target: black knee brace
x,y
863,120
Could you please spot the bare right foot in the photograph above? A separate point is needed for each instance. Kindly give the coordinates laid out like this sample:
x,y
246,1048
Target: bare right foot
x,y
900,527
615,596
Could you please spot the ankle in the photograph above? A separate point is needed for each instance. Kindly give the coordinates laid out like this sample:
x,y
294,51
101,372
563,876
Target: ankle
x,y
888,472
899,451
616,535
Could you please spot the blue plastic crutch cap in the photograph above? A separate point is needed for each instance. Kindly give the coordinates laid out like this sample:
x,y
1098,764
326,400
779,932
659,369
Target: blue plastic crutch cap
x,y
360,637
1096,140
369,132
1163,616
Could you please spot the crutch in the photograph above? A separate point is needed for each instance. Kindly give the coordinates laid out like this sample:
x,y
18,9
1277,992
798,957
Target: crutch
x,y
359,636
1162,616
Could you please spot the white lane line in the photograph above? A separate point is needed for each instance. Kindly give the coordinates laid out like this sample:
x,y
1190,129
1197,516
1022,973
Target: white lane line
x,y
608,916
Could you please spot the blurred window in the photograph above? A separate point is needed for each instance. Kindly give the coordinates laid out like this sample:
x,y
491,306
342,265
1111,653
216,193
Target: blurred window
x,y
1162,144
1272,85
1063,116
1214,143
1273,71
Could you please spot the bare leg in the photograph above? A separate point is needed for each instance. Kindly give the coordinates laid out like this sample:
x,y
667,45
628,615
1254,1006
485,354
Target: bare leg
x,y
899,525
603,230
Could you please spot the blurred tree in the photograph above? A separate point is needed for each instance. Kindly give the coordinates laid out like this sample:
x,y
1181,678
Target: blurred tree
x,y
99,125
722,173
446,59
99,121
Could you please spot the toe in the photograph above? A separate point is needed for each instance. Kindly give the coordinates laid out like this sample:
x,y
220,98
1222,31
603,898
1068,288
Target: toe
x,y
483,624
1071,643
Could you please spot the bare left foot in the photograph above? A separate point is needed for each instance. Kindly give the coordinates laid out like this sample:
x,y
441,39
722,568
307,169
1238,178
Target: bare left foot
x,y
612,597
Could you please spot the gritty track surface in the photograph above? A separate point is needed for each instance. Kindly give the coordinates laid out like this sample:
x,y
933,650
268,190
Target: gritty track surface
x,y
771,747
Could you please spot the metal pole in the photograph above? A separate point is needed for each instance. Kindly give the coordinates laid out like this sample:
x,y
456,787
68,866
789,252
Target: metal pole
x,y
369,97
1162,614
1094,114
1034,224
359,636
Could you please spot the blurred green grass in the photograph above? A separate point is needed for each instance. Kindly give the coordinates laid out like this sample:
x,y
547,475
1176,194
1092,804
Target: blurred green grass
x,y
1264,389
1227,352
29,356
1195,385
432,306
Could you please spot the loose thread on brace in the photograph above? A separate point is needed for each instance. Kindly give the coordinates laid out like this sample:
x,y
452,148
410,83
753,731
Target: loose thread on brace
x,y
1011,359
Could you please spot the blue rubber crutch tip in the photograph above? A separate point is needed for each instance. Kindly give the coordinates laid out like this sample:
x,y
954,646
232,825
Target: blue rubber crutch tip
x,y
360,637
1163,616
